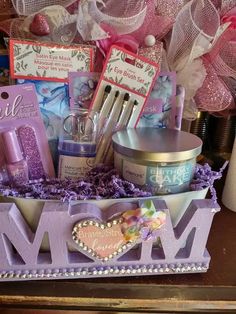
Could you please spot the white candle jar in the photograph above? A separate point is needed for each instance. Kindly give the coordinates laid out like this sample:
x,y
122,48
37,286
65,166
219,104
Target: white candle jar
x,y
163,159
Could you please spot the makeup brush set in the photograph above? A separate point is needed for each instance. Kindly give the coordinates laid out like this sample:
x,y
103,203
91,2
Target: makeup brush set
x,y
122,91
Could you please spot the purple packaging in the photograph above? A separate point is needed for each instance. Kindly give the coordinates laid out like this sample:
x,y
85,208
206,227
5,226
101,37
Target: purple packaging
x,y
19,112
160,109
82,86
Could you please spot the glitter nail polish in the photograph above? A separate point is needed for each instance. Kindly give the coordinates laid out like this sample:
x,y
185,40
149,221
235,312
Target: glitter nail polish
x,y
16,165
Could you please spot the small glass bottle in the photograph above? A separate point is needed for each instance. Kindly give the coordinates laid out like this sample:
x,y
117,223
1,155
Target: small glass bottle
x,y
16,165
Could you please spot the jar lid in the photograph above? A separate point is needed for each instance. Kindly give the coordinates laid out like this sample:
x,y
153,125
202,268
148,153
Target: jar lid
x,y
78,149
158,145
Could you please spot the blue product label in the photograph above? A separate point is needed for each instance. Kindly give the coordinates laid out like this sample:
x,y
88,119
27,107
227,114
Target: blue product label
x,y
171,178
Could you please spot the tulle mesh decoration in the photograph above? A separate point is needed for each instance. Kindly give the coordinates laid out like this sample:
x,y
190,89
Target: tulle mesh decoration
x,y
196,25
169,8
62,26
7,9
223,54
154,24
196,30
218,90
5,27
227,5
16,30
214,95
27,7
124,15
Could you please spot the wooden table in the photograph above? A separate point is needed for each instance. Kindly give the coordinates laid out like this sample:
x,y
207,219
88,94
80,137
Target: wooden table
x,y
213,292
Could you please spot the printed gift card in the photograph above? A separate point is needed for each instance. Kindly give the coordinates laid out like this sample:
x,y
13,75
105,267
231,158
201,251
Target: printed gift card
x,y
50,62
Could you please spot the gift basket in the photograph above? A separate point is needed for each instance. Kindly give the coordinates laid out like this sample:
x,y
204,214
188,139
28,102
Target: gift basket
x,y
98,176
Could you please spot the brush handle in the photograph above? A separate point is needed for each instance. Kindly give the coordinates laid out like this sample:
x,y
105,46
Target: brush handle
x,y
105,139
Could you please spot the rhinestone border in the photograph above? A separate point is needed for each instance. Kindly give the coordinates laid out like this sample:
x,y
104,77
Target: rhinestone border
x,y
110,271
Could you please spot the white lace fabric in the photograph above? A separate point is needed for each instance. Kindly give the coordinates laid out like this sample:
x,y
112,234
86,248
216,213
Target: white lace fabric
x,y
27,7
93,12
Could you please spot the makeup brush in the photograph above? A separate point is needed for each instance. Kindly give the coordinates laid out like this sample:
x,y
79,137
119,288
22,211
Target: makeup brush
x,y
106,108
123,106
131,112
110,126
106,93
124,120
105,112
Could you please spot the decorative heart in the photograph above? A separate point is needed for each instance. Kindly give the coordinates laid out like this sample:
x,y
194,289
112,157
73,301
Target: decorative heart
x,y
101,240
39,25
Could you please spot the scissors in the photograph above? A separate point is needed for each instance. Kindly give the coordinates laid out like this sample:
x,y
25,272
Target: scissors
x,y
79,125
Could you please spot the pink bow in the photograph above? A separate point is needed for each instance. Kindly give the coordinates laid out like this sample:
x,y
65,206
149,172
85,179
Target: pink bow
x,y
127,42
230,16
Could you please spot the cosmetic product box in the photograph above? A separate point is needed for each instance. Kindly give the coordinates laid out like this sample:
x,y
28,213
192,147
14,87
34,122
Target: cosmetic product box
x,y
122,91
46,65
160,110
24,146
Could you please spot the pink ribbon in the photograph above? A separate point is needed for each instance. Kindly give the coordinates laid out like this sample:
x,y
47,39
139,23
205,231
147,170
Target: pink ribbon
x,y
127,42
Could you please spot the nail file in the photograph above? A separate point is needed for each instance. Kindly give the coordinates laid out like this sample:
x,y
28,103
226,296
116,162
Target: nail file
x,y
31,152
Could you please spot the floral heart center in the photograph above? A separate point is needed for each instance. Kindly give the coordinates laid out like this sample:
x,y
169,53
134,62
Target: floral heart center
x,y
39,25
101,240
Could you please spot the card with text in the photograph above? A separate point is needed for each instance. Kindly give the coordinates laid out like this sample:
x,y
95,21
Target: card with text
x,y
47,61
127,74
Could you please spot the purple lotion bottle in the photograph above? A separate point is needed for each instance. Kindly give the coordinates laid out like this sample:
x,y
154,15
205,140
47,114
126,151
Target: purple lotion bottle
x,y
16,165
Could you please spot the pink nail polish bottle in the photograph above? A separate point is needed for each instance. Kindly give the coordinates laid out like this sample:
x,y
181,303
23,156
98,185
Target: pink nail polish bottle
x,y
16,165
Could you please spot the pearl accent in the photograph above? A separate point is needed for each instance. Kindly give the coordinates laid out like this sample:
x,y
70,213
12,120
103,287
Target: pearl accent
x,y
149,40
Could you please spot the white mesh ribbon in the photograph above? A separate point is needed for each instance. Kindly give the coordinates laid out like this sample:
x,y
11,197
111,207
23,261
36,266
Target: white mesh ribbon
x,y
62,25
27,7
195,32
93,12
227,5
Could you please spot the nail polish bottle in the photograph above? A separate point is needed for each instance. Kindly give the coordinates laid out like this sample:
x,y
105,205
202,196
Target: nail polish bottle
x,y
16,165
3,171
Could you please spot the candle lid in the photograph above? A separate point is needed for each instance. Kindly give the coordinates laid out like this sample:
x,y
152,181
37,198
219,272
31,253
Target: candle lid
x,y
157,145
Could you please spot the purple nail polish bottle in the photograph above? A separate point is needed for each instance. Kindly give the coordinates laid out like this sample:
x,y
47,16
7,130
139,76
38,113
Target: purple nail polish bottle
x,y
17,167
